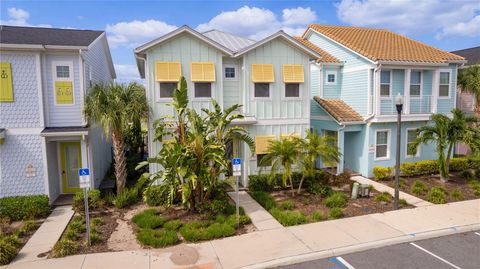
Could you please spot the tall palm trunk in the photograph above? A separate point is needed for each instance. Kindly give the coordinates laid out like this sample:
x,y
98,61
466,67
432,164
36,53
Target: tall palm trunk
x,y
120,162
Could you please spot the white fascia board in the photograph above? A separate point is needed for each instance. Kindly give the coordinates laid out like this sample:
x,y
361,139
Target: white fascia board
x,y
55,134
415,64
181,30
405,118
310,30
331,64
57,47
274,36
21,47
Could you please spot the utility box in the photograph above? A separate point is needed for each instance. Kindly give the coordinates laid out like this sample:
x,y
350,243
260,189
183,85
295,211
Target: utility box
x,y
364,190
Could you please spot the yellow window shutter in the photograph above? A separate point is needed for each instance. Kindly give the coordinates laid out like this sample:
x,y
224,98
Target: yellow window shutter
x,y
289,136
202,71
6,83
262,73
262,143
293,73
168,71
64,92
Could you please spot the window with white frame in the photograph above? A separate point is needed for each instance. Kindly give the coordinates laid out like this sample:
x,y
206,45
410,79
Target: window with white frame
x,y
331,77
262,90
292,90
63,71
385,79
167,89
230,72
411,137
382,144
444,88
203,89
415,83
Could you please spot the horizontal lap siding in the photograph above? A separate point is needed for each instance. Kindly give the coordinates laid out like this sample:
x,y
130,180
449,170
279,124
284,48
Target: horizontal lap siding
x,y
445,106
355,91
96,64
332,91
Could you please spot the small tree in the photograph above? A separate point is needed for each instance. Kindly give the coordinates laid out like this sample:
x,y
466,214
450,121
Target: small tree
x,y
116,108
313,147
469,81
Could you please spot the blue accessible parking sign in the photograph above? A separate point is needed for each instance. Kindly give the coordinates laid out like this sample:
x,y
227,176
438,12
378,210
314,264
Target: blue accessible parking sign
x,y
236,161
83,172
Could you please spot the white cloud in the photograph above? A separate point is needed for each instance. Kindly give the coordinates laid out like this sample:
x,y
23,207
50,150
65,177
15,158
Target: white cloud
x,y
410,16
127,72
135,33
257,23
19,17
470,29
298,16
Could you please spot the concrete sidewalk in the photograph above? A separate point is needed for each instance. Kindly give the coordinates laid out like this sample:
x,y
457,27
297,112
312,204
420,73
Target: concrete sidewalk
x,y
281,246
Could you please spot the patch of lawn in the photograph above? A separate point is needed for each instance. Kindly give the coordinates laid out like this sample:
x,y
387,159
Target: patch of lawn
x,y
288,217
156,238
148,219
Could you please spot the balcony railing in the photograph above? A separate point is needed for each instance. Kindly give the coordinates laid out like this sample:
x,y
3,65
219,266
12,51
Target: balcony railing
x,y
412,105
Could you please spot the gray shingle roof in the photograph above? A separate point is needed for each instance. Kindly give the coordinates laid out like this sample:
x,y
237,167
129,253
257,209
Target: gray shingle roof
x,y
233,42
472,55
46,36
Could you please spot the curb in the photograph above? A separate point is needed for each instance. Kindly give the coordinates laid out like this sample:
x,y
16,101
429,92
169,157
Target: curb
x,y
363,246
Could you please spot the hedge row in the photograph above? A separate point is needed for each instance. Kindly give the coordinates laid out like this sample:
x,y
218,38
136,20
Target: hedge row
x,y
24,207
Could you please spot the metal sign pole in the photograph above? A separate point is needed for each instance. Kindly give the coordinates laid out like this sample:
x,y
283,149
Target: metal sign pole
x,y
84,181
237,172
238,202
87,217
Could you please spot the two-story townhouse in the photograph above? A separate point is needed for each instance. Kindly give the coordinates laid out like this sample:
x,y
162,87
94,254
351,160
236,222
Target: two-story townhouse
x,y
45,76
354,94
269,78
467,101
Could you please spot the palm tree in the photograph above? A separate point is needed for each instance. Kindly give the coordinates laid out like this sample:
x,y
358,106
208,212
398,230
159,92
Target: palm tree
x,y
282,154
469,81
445,133
116,107
312,147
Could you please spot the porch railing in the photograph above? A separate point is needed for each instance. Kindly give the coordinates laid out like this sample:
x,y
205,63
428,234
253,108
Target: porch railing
x,y
412,105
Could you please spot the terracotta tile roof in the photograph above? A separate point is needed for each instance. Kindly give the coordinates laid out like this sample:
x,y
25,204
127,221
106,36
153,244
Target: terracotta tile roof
x,y
339,110
384,45
326,57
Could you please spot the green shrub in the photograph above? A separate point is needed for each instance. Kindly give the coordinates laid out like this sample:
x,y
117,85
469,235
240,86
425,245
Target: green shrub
x,y
157,239
70,234
172,225
288,217
336,213
27,227
216,206
77,225
7,252
467,175
127,197
109,199
24,207
459,164
287,205
12,240
317,188
95,237
232,220
148,219
418,188
194,231
95,201
219,230
474,163
317,216
426,167
402,183
337,199
64,248
264,199
96,221
475,186
402,202
383,197
381,173
260,183
408,169
457,194
437,195
156,195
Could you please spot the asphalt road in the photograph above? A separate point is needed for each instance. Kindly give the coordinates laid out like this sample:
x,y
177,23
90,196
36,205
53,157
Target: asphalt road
x,y
460,251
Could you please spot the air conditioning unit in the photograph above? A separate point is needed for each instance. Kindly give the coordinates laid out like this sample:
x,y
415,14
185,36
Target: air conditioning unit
x,y
364,190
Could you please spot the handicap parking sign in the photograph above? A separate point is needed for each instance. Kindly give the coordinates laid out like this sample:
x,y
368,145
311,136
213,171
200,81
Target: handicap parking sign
x,y
84,177
83,172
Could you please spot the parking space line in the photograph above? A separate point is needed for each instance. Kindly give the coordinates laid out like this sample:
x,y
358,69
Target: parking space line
x,y
477,233
436,256
343,263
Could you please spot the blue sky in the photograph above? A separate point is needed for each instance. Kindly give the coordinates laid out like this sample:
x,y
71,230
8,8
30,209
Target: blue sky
x,y
449,25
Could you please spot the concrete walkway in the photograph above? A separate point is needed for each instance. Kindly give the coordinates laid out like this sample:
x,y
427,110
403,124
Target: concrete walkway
x,y
281,246
415,201
46,236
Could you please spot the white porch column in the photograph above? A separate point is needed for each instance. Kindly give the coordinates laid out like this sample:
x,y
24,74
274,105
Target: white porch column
x,y
376,84
435,86
341,148
406,91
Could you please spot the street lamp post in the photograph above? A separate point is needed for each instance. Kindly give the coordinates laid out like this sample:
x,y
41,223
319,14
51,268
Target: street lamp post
x,y
399,105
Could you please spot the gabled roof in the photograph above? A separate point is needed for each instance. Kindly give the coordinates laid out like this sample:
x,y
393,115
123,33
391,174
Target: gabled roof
x,y
47,36
228,40
384,45
339,110
325,57
472,55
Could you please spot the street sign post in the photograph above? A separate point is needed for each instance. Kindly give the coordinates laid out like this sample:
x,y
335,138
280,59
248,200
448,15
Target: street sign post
x,y
237,172
84,180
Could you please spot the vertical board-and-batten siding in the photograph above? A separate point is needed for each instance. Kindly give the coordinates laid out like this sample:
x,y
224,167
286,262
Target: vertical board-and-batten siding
x,y
278,52
63,115
232,93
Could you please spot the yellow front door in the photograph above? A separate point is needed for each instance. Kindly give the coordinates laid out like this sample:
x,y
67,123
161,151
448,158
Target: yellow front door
x,y
71,159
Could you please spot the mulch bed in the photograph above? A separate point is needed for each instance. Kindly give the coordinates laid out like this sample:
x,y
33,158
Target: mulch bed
x,y
308,203
455,182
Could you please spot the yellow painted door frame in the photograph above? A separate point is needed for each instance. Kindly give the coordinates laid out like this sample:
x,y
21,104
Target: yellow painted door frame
x,y
66,188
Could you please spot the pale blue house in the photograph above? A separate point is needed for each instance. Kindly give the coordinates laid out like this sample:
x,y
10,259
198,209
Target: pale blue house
x,y
44,137
354,85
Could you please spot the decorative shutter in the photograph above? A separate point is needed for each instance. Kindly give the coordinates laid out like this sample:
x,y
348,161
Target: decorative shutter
x,y
262,143
202,71
64,92
168,71
6,84
293,73
262,73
